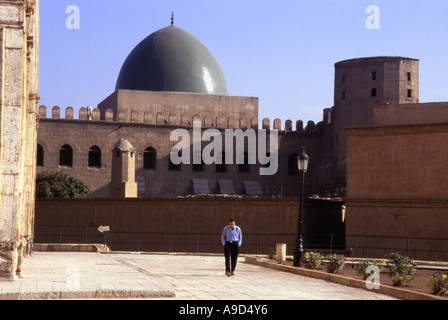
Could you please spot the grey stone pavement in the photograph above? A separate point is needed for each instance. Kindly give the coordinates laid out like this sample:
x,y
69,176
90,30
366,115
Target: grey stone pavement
x,y
72,275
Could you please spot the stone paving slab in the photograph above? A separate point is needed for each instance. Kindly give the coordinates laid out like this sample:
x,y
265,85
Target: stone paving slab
x,y
355,283
70,275
83,275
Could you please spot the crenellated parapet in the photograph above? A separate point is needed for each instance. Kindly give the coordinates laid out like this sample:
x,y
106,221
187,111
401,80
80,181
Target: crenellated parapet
x,y
84,113
289,126
185,120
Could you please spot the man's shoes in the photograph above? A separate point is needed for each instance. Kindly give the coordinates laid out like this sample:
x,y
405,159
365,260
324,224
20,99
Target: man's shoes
x,y
228,274
232,274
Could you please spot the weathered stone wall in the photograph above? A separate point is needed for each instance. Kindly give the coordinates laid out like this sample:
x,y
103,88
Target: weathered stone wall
x,y
397,189
398,162
81,135
269,220
410,113
19,32
416,228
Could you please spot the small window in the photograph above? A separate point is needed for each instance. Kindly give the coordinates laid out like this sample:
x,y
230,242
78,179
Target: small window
x,y
409,93
40,156
374,75
66,156
343,78
409,76
293,170
149,158
373,92
95,157
343,95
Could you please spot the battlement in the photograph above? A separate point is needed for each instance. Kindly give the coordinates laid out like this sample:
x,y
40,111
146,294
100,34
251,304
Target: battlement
x,y
94,114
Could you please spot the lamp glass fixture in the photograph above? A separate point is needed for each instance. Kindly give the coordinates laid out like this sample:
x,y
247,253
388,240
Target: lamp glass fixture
x,y
302,161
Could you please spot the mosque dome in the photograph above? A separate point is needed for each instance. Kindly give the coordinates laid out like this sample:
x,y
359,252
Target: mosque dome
x,y
171,59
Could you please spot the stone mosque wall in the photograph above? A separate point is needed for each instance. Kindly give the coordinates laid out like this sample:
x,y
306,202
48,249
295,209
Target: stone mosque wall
x,y
159,179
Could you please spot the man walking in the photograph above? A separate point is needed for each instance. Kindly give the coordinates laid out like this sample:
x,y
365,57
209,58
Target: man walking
x,y
231,240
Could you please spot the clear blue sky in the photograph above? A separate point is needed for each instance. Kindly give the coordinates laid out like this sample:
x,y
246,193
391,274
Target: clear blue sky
x,y
282,52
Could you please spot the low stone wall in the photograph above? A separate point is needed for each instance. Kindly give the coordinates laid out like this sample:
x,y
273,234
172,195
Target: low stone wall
x,y
70,247
416,228
189,224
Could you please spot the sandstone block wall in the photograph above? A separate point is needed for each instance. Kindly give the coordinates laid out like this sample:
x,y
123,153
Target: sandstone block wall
x,y
19,35
146,224
81,134
397,191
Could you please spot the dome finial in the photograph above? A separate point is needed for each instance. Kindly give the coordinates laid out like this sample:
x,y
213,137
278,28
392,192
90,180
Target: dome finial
x,y
172,18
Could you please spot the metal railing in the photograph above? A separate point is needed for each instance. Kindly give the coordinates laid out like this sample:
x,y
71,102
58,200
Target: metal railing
x,y
198,242
259,243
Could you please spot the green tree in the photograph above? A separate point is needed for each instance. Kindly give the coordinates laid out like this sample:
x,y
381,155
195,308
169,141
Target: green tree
x,y
52,184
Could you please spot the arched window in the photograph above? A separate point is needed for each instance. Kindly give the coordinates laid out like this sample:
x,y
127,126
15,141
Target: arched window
x,y
171,165
149,158
244,166
293,170
95,157
40,156
221,167
66,156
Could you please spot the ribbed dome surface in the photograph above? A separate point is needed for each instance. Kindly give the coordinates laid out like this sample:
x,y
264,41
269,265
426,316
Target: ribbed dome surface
x,y
171,59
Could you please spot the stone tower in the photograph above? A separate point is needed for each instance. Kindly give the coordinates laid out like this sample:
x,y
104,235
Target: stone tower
x,y
123,183
19,49
359,85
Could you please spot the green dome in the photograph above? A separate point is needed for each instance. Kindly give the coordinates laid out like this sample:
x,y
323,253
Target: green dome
x,y
171,59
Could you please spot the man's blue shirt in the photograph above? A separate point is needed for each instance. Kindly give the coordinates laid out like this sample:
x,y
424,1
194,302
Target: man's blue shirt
x,y
231,235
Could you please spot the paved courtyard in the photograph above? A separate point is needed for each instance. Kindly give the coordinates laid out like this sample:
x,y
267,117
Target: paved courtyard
x,y
49,275
203,278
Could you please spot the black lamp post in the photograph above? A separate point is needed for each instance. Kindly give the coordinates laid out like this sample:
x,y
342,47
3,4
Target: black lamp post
x,y
302,164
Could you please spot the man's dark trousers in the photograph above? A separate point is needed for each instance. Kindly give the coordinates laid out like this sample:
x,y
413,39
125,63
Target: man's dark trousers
x,y
231,254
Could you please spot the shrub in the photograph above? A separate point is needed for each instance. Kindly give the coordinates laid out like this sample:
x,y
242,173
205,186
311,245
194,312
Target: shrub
x,y
438,283
59,185
312,260
362,267
401,268
336,263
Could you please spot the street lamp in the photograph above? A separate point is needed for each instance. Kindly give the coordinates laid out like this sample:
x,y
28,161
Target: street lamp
x,y
302,164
